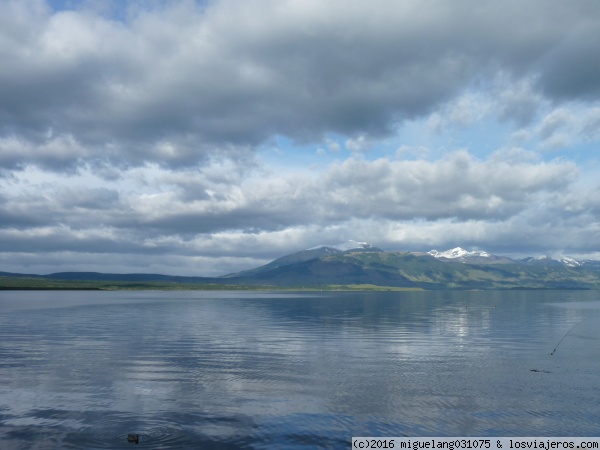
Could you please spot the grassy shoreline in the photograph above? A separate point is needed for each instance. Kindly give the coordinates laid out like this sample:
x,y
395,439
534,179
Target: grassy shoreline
x,y
37,284
24,283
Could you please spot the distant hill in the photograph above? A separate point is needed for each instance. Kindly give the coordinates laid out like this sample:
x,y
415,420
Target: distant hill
x,y
359,263
421,270
307,255
136,277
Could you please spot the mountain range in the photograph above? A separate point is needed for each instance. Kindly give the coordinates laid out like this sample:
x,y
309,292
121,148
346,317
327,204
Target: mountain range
x,y
358,264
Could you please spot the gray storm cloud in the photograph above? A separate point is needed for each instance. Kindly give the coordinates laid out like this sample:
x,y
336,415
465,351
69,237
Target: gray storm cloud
x,y
176,83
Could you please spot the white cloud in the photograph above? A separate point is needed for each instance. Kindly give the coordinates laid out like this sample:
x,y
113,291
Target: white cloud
x,y
217,212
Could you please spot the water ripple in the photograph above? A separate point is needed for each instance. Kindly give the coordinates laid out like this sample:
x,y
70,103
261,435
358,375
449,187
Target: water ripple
x,y
186,370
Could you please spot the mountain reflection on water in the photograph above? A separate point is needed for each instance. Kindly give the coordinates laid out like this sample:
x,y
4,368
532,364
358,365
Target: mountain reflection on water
x,y
282,370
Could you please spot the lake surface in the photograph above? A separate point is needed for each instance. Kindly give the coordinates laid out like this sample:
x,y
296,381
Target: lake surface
x,y
226,370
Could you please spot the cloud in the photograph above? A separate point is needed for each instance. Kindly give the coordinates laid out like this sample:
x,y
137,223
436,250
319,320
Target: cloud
x,y
177,83
568,68
141,129
458,186
562,128
214,211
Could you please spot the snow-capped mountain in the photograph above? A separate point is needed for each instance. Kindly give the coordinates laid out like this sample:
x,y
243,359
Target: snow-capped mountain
x,y
571,262
358,263
548,260
331,254
458,252
568,261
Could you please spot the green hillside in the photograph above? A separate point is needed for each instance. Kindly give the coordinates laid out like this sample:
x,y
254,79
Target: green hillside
x,y
410,271
345,270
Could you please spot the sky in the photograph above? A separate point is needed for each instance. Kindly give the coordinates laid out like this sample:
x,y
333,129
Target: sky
x,y
204,138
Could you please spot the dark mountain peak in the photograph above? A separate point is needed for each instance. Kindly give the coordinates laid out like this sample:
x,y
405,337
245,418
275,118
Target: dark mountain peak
x,y
309,254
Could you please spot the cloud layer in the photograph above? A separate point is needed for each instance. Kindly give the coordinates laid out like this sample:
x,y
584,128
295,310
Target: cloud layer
x,y
178,82
498,203
149,129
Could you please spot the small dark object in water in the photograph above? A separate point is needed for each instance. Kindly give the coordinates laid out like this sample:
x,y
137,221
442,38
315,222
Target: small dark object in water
x,y
135,438
543,371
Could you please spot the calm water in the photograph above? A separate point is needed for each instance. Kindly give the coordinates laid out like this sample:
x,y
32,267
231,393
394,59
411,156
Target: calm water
x,y
267,370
